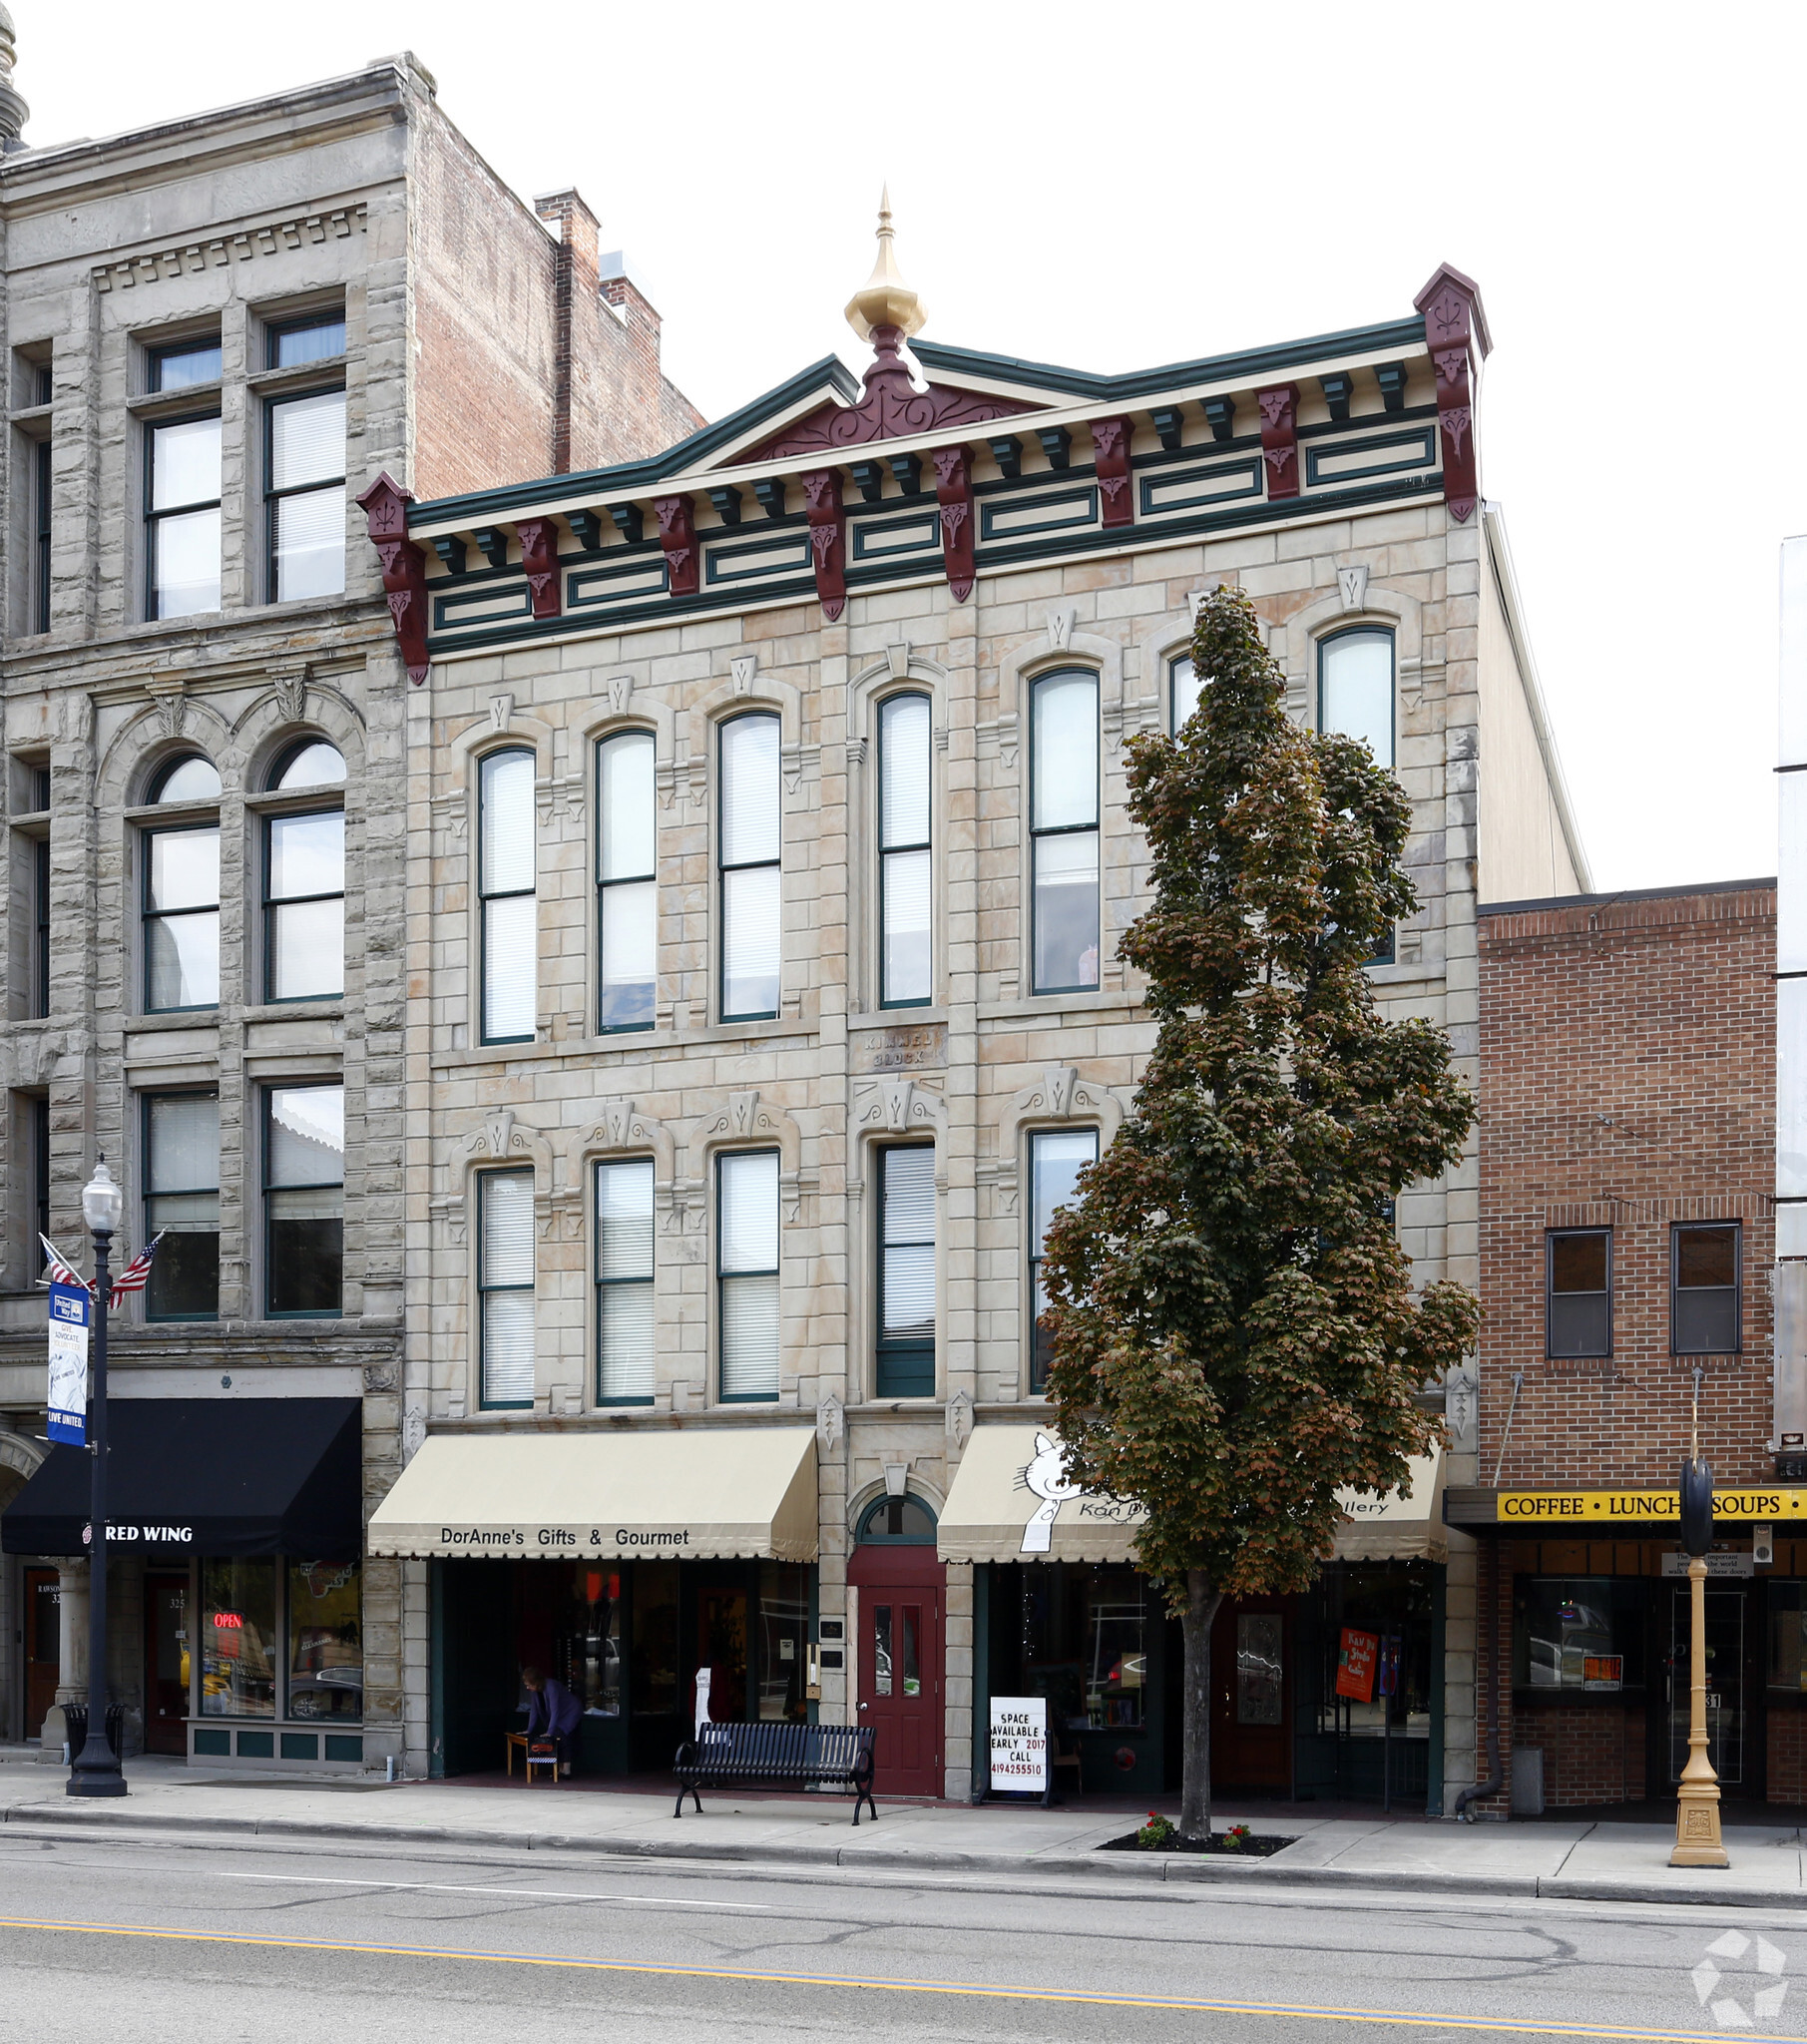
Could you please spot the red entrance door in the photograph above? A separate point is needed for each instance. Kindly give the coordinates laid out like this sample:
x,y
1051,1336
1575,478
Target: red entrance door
x,y
1251,1696
43,1647
901,1592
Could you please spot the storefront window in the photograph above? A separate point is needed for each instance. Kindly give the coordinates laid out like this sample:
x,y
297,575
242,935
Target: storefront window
x,y
325,1640
783,1638
1578,1632
653,1662
1787,1637
237,1638
1387,1674
1084,1646
593,1643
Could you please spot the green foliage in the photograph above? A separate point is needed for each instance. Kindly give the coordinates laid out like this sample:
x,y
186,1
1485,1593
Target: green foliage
x,y
1235,1334
1157,1832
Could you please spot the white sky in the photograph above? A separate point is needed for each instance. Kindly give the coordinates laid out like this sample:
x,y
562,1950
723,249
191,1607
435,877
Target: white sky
x,y
1115,186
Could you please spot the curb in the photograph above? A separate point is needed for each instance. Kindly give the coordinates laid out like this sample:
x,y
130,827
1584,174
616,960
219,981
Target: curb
x,y
1087,1865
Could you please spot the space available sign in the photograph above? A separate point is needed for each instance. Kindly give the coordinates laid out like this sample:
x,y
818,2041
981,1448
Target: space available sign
x,y
69,1311
1020,1744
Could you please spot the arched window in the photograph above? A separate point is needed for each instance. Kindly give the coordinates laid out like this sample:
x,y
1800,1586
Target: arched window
x,y
304,880
905,858
1355,687
751,879
1063,824
1182,690
509,998
627,892
192,778
896,1522
180,901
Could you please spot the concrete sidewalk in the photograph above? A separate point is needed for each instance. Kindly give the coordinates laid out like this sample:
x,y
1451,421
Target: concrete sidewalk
x,y
1576,1860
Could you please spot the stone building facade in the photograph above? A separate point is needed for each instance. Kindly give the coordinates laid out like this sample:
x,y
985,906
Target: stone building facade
x,y
852,627
210,325
1627,1236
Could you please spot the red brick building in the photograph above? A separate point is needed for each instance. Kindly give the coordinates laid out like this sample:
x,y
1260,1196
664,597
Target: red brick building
x,y
1627,1134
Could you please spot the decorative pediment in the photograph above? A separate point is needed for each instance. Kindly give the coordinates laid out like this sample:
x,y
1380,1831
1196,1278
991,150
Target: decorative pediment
x,y
890,408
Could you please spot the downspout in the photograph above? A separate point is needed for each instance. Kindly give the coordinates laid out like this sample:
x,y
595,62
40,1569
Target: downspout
x,y
1479,1792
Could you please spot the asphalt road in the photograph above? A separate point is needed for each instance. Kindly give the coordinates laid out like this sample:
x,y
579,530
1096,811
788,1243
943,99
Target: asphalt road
x,y
214,1941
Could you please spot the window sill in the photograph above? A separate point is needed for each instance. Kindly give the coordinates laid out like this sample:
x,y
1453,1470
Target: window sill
x,y
312,1010
1118,1002
175,1018
202,399
327,371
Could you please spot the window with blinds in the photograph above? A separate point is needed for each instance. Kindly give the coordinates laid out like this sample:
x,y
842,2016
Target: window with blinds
x,y
1056,1158
505,885
905,856
624,1282
746,1264
182,1204
751,874
906,1273
1063,834
627,893
181,516
504,1276
304,494
303,1200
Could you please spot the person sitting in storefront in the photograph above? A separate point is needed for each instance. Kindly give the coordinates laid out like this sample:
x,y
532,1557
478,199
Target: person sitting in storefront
x,y
553,1715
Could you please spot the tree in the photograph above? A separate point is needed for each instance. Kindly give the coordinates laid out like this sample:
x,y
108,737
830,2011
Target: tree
x,y
1234,1332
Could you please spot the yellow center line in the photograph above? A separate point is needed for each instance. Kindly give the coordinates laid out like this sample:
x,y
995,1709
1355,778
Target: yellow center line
x,y
1206,2005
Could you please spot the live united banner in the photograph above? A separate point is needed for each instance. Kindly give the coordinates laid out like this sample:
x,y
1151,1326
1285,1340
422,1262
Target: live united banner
x,y
68,1318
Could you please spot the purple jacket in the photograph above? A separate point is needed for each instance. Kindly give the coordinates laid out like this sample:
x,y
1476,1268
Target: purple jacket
x,y
552,1711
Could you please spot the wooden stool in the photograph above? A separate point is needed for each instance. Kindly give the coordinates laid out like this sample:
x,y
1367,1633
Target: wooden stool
x,y
518,1741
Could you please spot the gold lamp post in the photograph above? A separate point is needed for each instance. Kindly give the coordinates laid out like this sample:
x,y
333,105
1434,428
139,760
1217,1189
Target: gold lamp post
x,y
1697,1840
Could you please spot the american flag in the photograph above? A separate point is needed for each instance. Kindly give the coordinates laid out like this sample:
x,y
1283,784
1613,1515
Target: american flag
x,y
133,1277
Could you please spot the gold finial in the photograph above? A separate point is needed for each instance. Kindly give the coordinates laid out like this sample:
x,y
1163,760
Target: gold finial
x,y
885,300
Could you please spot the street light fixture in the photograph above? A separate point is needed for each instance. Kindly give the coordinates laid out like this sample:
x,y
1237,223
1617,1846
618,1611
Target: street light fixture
x,y
95,1770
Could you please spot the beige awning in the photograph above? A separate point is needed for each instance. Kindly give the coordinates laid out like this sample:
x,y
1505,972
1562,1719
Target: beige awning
x,y
1011,1502
1397,1525
692,1494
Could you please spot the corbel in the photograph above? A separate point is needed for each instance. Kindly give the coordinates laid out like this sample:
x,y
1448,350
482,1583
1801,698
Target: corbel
x,y
538,538
451,550
726,500
869,480
677,536
1391,377
587,529
491,544
769,490
1455,328
628,522
954,494
827,538
1056,444
385,506
1007,452
1278,405
1110,459
908,471
1338,388
1220,416
1169,424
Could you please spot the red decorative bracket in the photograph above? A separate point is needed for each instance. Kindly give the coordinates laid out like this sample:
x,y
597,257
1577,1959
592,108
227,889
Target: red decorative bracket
x,y
678,535
1110,453
827,538
539,557
1454,329
385,505
954,493
1279,409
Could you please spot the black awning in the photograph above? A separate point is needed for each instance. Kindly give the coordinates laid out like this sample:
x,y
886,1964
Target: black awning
x,y
206,1476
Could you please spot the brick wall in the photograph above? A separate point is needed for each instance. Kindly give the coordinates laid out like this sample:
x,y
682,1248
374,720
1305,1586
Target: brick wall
x,y
1628,1082
1592,1753
1787,1753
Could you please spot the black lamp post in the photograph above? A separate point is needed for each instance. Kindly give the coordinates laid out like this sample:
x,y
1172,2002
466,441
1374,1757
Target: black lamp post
x,y
95,1770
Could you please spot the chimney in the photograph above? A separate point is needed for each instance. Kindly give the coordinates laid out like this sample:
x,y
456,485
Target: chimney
x,y
14,113
574,285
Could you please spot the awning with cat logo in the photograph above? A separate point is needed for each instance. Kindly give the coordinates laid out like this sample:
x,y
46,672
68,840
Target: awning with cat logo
x,y
1011,1502
1399,1525
708,1492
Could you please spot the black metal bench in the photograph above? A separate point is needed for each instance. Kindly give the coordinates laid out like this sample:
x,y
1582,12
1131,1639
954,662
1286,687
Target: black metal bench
x,y
837,1754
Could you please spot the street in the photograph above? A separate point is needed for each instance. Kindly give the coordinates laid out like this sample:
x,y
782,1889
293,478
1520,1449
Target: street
x,y
239,1939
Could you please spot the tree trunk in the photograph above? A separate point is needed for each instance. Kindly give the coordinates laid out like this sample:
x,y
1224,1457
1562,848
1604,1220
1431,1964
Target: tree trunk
x,y
1201,1603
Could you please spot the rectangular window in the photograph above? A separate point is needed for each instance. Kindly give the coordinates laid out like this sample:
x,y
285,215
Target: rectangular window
x,y
326,1641
1355,689
240,1644
905,855
187,364
38,1111
1580,1317
1056,1158
182,918
627,893
181,517
1182,685
182,1204
40,567
1578,1633
505,885
751,885
906,1273
624,1340
304,1200
1787,1638
317,338
40,890
305,907
505,1279
304,493
746,1264
1063,823
1704,1302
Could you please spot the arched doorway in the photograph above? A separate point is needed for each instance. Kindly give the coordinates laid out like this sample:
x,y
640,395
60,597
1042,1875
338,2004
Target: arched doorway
x,y
901,1601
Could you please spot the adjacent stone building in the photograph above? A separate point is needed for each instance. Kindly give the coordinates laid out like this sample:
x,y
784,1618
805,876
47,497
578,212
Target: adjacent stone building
x,y
766,862
210,325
